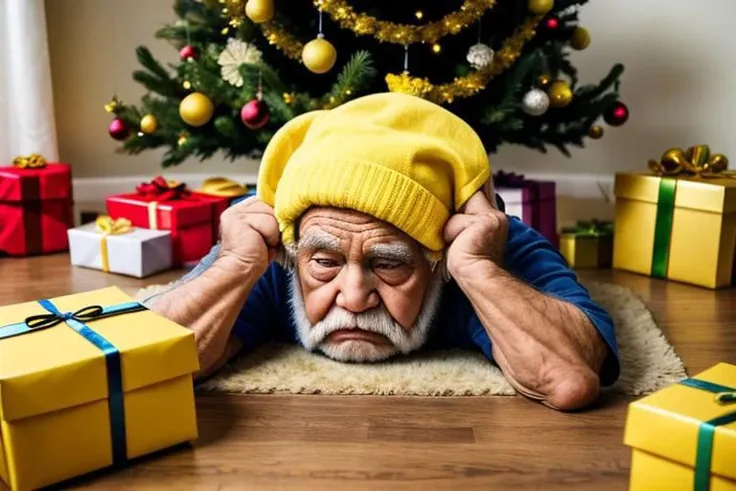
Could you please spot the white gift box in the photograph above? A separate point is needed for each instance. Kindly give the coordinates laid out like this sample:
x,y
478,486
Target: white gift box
x,y
140,252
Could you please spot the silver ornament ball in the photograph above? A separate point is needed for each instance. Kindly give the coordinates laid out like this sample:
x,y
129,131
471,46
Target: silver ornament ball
x,y
480,55
535,103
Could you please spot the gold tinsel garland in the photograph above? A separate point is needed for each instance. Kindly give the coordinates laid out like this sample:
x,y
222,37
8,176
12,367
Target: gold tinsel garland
x,y
473,83
391,32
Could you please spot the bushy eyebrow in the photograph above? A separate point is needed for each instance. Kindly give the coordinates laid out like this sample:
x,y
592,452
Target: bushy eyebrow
x,y
395,251
319,241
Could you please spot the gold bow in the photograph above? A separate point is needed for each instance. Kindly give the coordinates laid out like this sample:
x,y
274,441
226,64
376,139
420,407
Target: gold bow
x,y
33,161
113,226
222,186
696,160
107,225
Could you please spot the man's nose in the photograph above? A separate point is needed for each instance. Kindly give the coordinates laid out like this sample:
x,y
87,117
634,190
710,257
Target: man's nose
x,y
356,290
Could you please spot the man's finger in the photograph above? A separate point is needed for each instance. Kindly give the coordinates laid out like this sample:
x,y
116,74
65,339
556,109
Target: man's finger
x,y
477,204
456,224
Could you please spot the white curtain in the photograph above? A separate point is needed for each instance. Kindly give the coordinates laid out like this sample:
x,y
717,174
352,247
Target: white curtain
x,y
26,100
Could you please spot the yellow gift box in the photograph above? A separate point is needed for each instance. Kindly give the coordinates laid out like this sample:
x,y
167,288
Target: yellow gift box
x,y
683,437
677,223
587,245
88,381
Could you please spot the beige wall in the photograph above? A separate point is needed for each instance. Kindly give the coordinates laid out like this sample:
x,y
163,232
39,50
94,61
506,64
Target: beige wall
x,y
678,83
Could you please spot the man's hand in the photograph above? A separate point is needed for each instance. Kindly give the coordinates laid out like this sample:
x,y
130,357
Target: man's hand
x,y
478,233
249,233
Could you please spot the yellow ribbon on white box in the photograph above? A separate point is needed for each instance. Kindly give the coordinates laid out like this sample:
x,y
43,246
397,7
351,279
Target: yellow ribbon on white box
x,y
107,225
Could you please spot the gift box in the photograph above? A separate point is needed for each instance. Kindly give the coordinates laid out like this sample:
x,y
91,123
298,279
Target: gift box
x,y
534,202
683,437
588,244
193,218
36,207
89,381
115,246
676,225
224,188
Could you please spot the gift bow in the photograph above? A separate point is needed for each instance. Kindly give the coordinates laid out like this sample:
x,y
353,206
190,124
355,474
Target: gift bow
x,y
593,228
113,226
696,160
222,186
32,161
106,225
508,179
163,190
43,321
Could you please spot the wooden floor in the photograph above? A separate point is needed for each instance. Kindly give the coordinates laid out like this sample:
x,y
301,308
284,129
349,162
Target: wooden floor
x,y
358,443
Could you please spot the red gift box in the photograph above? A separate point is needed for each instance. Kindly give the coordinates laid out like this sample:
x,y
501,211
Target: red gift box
x,y
193,218
36,209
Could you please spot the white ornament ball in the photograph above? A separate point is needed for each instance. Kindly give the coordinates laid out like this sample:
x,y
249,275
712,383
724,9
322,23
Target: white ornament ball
x,y
480,55
535,103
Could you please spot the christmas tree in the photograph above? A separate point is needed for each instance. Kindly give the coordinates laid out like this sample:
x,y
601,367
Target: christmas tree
x,y
248,67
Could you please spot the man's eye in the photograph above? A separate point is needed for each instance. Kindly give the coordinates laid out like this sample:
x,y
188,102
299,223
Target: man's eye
x,y
387,265
325,263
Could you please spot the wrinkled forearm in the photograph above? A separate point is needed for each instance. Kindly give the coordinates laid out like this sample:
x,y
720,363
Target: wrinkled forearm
x,y
209,304
548,348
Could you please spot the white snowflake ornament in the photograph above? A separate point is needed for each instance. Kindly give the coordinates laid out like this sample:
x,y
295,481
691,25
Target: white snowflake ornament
x,y
480,55
235,54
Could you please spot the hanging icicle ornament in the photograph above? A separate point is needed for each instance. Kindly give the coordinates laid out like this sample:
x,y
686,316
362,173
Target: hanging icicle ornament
x,y
319,55
535,102
480,56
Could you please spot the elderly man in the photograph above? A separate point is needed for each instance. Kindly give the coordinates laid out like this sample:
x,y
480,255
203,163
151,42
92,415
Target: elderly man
x,y
372,235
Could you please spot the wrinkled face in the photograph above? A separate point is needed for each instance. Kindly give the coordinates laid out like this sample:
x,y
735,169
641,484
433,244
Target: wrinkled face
x,y
362,290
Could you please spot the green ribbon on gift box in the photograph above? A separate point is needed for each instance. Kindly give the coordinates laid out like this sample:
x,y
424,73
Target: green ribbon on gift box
x,y
707,429
695,161
592,228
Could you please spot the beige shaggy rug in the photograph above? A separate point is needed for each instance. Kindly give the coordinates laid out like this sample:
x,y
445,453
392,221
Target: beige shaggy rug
x,y
649,363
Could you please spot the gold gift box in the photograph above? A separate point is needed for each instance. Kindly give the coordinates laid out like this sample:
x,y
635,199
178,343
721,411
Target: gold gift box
x,y
702,241
55,407
584,250
664,428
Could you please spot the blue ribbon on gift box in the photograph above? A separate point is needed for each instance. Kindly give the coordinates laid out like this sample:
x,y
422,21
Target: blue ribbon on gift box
x,y
76,320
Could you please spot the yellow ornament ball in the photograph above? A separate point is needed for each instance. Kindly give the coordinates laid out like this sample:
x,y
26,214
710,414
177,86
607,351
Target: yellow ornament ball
x,y
541,7
259,11
149,123
319,55
196,109
560,94
595,132
580,38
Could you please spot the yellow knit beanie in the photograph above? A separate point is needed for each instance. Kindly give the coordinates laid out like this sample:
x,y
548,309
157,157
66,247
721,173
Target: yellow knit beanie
x,y
396,157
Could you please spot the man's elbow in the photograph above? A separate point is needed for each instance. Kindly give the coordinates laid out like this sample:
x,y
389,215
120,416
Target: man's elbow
x,y
574,390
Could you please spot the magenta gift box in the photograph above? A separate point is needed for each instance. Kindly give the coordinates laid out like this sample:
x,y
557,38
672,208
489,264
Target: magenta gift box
x,y
534,202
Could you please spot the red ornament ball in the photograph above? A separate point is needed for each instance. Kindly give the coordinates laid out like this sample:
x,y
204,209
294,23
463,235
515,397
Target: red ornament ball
x,y
617,114
552,23
118,129
255,114
188,53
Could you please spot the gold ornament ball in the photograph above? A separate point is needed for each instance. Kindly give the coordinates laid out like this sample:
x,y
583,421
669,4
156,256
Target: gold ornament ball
x,y
560,94
541,7
595,132
319,55
196,109
149,124
580,38
259,11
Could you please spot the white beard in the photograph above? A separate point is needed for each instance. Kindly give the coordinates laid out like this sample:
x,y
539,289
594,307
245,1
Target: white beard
x,y
376,320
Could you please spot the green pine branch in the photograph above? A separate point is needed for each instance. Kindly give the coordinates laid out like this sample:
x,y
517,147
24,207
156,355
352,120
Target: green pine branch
x,y
354,76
